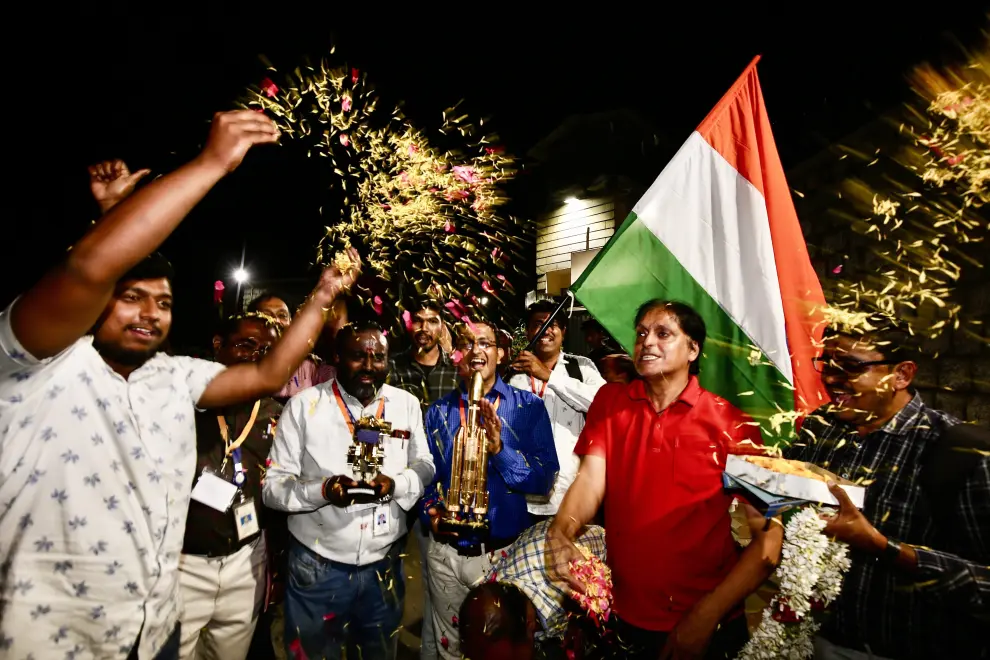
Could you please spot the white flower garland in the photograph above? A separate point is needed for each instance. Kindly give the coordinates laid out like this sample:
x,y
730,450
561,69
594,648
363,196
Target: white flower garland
x,y
810,572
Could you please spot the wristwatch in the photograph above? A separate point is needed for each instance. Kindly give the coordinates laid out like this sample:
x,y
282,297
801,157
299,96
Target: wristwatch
x,y
892,551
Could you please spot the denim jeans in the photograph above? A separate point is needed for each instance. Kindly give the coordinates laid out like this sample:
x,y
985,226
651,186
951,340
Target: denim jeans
x,y
330,606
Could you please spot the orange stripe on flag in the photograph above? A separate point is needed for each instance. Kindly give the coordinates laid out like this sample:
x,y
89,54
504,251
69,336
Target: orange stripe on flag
x,y
739,130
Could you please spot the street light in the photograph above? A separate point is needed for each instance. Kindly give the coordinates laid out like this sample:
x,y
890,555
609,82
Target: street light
x,y
240,276
570,201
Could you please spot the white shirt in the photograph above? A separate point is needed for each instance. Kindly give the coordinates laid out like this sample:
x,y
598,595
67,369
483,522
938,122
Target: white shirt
x,y
95,477
567,400
311,445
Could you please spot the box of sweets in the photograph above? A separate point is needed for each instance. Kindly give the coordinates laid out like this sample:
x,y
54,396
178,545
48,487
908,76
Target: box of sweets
x,y
774,485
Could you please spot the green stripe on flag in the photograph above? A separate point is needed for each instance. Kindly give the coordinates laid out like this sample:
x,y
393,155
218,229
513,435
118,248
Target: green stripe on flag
x,y
635,267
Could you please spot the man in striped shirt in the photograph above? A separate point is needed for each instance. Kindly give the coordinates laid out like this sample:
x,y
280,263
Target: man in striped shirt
x,y
919,578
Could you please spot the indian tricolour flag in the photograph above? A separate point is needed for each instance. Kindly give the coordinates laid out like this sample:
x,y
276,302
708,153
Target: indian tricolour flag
x,y
718,230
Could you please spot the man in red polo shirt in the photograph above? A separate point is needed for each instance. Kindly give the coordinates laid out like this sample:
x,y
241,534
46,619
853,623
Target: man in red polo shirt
x,y
658,445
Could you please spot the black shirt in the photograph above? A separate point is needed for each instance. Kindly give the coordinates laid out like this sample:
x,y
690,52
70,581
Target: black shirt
x,y
208,531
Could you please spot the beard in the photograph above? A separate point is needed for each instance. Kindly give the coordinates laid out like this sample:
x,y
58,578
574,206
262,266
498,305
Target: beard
x,y
124,356
364,391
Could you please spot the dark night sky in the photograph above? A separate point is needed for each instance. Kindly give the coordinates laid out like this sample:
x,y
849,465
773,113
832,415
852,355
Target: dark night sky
x,y
142,85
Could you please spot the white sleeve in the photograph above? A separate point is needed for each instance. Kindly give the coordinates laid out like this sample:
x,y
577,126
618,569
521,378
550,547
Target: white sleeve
x,y
576,394
20,372
284,489
411,482
198,375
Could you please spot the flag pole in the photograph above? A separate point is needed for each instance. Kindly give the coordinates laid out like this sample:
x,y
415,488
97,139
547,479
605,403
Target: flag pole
x,y
542,331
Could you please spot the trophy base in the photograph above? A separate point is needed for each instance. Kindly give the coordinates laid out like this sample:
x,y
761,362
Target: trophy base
x,y
362,494
356,492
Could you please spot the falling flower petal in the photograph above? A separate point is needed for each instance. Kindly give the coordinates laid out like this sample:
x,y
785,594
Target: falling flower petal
x,y
269,88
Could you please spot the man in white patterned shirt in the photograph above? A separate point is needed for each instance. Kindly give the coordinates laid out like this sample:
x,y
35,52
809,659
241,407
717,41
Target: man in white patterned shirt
x,y
97,446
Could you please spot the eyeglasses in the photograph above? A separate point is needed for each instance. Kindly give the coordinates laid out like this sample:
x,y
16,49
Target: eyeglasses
x,y
483,344
251,347
831,365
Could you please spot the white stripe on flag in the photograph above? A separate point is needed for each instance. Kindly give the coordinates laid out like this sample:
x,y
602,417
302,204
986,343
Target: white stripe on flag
x,y
715,223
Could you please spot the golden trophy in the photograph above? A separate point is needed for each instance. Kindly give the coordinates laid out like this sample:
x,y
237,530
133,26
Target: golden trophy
x,y
467,497
366,455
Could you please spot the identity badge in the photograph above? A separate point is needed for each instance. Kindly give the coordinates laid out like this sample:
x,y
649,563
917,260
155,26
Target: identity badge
x,y
246,519
383,520
213,491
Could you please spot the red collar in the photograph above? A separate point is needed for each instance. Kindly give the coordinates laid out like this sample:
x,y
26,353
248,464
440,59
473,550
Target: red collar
x,y
690,395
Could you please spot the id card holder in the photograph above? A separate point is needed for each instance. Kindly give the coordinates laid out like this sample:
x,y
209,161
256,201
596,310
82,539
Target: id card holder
x,y
246,519
382,520
214,492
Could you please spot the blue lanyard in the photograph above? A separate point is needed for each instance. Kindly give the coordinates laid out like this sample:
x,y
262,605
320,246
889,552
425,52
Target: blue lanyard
x,y
239,471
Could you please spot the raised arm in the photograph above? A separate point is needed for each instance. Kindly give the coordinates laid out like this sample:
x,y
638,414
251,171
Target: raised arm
x,y
68,301
251,380
285,487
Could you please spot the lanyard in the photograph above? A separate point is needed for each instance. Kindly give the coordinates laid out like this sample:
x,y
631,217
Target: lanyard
x,y
233,449
498,400
348,415
532,386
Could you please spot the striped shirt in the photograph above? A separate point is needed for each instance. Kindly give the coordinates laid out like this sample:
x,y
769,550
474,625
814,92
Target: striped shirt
x,y
523,565
882,608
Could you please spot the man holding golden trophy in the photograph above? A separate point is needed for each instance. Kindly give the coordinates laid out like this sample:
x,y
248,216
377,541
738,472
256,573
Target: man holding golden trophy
x,y
492,445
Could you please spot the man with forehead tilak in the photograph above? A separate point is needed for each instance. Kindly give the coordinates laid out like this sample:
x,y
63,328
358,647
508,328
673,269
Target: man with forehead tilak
x,y
519,459
346,586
